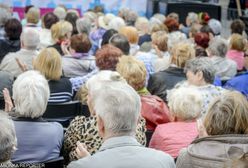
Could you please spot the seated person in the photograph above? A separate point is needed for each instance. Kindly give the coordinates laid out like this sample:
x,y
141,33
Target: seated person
x,y
77,61
153,108
117,107
7,140
185,106
85,129
30,95
7,80
223,135
49,63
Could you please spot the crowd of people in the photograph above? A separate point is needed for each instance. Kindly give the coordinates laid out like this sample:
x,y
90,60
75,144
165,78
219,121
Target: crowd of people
x,y
184,84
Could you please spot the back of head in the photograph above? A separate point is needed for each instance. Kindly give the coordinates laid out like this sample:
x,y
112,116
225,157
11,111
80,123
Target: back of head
x,y
237,26
215,25
107,36
160,17
83,25
181,53
107,57
237,42
173,15
13,29
120,41
204,65
110,99
30,38
48,62
131,33
218,47
227,114
116,23
172,24
61,30
72,17
160,39
80,43
7,137
202,39
30,94
133,70
60,12
33,15
191,19
49,19
185,103
4,16
142,25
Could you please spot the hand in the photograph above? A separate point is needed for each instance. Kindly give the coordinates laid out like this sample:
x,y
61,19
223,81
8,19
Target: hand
x,y
201,129
81,150
65,47
7,99
21,65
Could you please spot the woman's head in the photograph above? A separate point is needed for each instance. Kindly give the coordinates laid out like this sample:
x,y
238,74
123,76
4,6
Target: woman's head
x,y
62,30
131,33
30,94
227,114
107,57
33,15
171,24
48,62
13,29
133,70
185,103
181,53
202,40
80,43
160,39
49,19
107,36
237,42
217,47
237,26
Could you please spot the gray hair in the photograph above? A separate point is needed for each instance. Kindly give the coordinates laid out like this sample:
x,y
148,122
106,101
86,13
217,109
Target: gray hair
x,y
60,12
116,103
83,25
31,93
7,137
193,17
160,17
204,65
185,103
4,16
30,38
218,47
116,23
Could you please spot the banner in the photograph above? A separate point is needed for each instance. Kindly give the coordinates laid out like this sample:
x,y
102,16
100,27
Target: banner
x,y
112,6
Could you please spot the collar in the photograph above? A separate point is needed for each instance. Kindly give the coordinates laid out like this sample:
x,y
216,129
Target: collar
x,y
119,141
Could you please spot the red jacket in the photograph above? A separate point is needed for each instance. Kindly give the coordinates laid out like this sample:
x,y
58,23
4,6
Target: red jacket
x,y
173,136
154,110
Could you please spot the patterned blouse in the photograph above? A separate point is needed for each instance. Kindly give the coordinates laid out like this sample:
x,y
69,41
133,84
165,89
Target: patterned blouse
x,y
84,129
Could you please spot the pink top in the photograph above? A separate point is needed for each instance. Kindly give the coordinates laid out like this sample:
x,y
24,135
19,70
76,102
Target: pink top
x,y
238,57
172,137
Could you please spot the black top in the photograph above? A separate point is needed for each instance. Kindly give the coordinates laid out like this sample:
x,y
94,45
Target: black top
x,y
162,81
57,46
7,46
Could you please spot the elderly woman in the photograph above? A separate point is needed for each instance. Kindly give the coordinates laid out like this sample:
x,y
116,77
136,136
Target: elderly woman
x,y
223,135
33,18
31,130
162,81
85,129
61,32
7,140
236,50
49,63
201,42
200,73
78,61
185,106
225,68
133,37
154,110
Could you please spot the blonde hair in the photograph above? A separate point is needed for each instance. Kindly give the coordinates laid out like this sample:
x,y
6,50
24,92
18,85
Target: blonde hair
x,y
33,15
227,114
181,53
237,42
160,39
131,33
48,62
133,70
60,30
185,103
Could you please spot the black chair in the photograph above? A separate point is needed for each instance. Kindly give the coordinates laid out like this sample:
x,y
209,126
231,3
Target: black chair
x,y
149,134
63,112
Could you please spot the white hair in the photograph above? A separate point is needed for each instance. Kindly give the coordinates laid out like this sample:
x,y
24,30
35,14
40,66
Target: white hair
x,y
115,102
83,25
7,137
60,12
30,38
193,18
116,23
185,103
4,16
31,93
142,24
160,17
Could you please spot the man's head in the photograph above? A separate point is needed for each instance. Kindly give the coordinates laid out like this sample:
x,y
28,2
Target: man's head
x,y
30,39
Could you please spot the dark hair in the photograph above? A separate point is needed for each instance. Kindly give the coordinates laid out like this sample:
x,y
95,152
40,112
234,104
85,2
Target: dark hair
x,y
50,19
120,41
107,35
237,26
72,18
171,24
107,57
81,43
13,29
98,9
206,29
202,39
27,8
200,52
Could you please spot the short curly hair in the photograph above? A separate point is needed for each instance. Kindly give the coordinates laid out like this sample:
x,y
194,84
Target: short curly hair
x,y
107,57
172,24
